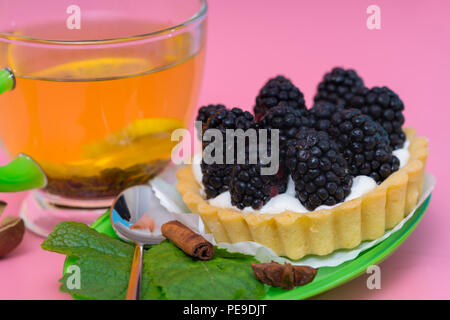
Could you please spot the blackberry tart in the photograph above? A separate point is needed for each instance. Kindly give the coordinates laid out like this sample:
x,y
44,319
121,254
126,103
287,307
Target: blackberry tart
x,y
345,184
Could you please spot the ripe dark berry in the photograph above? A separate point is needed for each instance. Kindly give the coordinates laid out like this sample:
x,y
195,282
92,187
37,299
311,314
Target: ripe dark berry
x,y
278,90
207,111
250,188
364,144
224,119
321,113
204,113
385,107
217,176
251,183
287,120
339,87
235,118
319,170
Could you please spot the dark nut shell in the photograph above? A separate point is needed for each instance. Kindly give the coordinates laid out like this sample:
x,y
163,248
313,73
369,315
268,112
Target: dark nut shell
x,y
2,206
12,230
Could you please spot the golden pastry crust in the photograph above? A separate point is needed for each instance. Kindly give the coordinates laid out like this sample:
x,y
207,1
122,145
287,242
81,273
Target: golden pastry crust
x,y
320,232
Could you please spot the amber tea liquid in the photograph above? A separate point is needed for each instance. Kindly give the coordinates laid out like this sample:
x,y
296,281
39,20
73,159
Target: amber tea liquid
x,y
98,123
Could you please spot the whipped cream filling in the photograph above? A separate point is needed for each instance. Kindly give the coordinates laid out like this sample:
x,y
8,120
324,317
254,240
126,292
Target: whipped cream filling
x,y
402,154
287,201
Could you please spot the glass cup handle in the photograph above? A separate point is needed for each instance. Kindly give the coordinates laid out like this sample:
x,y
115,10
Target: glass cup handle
x,y
23,173
7,80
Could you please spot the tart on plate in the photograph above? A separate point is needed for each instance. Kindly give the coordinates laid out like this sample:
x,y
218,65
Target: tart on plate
x,y
332,219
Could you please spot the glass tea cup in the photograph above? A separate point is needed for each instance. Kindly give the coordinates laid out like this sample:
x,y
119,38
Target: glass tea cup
x,y
92,93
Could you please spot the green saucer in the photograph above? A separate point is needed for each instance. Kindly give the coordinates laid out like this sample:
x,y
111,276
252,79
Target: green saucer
x,y
327,277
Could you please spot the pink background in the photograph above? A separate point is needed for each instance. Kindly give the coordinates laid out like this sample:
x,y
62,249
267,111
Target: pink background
x,y
252,40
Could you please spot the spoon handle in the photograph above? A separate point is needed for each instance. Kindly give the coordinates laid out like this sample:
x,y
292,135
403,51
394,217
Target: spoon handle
x,y
134,284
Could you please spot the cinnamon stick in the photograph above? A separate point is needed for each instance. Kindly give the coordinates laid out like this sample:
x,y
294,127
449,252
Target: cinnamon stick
x,y
187,240
285,275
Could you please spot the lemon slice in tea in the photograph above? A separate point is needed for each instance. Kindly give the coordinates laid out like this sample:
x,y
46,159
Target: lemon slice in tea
x,y
95,69
155,131
142,141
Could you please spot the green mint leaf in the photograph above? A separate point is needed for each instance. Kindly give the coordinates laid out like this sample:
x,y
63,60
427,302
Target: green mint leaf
x,y
168,273
100,277
105,277
77,240
224,253
182,277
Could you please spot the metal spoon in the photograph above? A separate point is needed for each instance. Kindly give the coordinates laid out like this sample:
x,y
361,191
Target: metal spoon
x,y
127,209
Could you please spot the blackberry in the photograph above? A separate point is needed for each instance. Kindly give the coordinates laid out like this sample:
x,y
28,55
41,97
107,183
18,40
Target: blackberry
x,y
205,112
224,119
276,90
364,144
321,113
250,186
217,176
319,170
339,86
235,118
287,120
385,107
